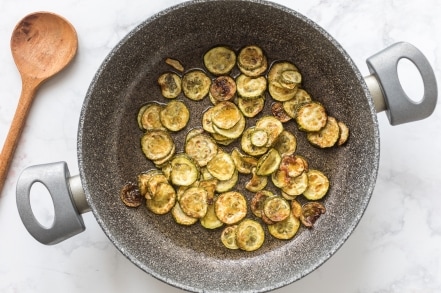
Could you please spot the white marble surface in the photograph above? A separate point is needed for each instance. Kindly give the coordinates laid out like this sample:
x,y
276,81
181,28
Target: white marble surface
x,y
395,248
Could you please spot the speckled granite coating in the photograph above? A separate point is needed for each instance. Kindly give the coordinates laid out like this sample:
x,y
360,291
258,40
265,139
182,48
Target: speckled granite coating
x,y
193,258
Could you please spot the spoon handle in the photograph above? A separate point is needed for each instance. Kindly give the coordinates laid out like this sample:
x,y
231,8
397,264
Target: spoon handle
x,y
29,87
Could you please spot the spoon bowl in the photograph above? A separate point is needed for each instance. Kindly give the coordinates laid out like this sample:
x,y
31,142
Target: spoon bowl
x,y
42,44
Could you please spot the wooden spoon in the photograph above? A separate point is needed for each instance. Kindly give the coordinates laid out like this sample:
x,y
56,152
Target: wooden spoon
x,y
42,44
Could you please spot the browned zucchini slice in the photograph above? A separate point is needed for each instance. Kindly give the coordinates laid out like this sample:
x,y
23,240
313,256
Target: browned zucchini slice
x,y
228,237
163,200
293,165
233,132
221,166
311,117
202,148
279,112
194,202
227,185
175,115
249,235
223,88
295,186
257,182
170,84
180,217
176,64
250,87
292,106
344,133
130,195
196,85
258,201
311,211
184,170
225,115
276,208
327,136
252,61
157,144
219,60
318,185
285,229
230,207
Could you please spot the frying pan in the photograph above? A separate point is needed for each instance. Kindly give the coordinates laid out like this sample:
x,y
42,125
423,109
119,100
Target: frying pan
x,y
193,258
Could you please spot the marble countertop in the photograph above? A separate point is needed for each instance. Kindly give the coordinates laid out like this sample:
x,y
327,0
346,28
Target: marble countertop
x,y
396,246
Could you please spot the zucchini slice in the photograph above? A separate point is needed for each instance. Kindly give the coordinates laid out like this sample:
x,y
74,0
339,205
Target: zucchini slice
x,y
170,84
219,60
311,117
230,207
175,115
276,208
184,170
207,123
318,185
228,237
194,202
279,93
311,211
296,208
286,143
130,195
243,163
248,147
143,179
157,144
268,163
225,115
176,64
283,81
163,200
221,166
327,136
180,217
233,132
293,165
285,229
279,112
227,185
272,126
201,148
252,106
148,117
196,85
252,61
259,137
210,220
292,106
344,133
223,88
250,87
249,235
258,201
295,186
257,182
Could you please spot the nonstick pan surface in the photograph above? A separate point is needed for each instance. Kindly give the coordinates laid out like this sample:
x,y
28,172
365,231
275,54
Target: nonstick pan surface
x,y
193,258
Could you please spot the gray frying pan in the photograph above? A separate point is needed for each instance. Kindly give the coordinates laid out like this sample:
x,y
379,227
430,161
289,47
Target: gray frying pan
x,y
193,258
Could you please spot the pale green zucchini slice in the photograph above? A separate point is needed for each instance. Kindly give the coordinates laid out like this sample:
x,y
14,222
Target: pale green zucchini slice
x,y
248,147
344,133
230,207
311,117
207,123
157,144
268,163
327,136
194,202
249,235
279,93
143,179
276,208
318,185
244,163
233,132
292,106
196,85
170,84
223,88
277,68
272,126
252,61
252,106
282,78
227,185
175,115
163,200
184,170
259,137
219,60
250,87
201,148
210,220
285,229
221,166
228,237
286,143
180,217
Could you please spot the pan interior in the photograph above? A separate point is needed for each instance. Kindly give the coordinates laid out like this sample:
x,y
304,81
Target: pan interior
x,y
193,258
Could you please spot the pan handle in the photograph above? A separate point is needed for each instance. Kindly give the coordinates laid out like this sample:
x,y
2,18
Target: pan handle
x,y
67,197
387,91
